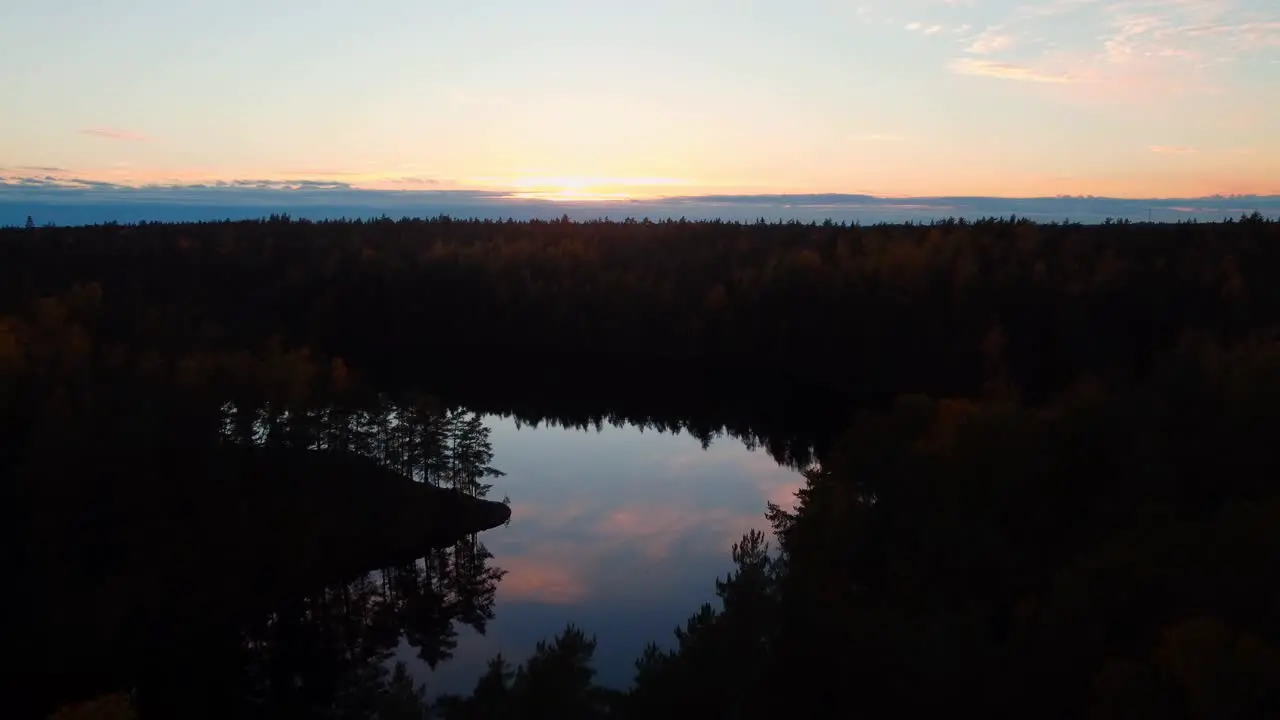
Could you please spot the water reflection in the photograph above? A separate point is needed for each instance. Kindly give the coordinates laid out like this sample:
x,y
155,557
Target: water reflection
x,y
234,566
618,530
302,582
331,650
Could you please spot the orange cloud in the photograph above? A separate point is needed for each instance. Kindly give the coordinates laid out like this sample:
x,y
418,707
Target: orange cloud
x,y
1007,71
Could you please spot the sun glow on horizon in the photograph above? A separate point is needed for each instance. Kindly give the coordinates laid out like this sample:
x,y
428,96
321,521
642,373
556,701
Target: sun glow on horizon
x,y
1244,179
572,195
584,188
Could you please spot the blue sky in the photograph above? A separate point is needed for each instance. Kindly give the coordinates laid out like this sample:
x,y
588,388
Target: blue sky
x,y
579,100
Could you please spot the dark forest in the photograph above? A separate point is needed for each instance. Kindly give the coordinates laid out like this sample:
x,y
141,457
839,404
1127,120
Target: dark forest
x,y
1040,479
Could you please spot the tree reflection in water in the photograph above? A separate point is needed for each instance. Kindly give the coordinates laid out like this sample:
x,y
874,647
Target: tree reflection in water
x,y
328,653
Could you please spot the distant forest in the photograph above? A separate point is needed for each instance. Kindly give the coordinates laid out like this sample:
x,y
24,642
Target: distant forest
x,y
1041,458
942,308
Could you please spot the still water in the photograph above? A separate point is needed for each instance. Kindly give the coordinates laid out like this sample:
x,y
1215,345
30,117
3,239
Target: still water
x,y
621,531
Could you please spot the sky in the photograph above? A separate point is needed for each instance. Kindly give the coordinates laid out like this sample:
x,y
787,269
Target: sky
x,y
609,100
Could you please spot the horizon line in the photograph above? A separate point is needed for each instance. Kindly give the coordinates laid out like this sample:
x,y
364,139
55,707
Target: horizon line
x,y
55,185
919,222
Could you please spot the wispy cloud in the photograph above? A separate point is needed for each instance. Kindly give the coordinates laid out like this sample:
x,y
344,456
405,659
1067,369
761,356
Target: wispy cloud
x,y
113,133
1255,34
1172,149
1007,71
1122,48
1131,38
924,28
989,41
1055,8
1200,31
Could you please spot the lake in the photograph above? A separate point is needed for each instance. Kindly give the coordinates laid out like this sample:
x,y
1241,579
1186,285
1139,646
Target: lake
x,y
276,560
621,531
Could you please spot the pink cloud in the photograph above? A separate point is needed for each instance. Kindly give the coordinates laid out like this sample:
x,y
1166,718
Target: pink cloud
x,y
1172,149
563,562
542,579
564,570
655,530
783,495
113,134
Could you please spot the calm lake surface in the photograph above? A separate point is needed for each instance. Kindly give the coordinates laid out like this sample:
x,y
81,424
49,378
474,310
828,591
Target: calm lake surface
x,y
621,531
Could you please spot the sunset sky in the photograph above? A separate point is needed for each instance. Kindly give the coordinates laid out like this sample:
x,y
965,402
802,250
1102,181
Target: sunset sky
x,y
1132,98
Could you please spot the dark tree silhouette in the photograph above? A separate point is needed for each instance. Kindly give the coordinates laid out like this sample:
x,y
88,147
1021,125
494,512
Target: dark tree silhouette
x,y
1040,477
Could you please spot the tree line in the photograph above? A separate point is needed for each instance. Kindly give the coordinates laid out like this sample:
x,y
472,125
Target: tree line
x,y
876,310
1040,473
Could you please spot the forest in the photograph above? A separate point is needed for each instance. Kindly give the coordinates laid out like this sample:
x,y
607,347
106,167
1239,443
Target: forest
x,y
1040,478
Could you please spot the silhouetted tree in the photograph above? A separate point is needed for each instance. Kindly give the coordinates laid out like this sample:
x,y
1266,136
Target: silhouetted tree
x,y
1039,476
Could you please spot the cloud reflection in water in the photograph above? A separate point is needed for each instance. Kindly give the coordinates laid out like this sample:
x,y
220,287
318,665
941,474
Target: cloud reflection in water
x,y
619,531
